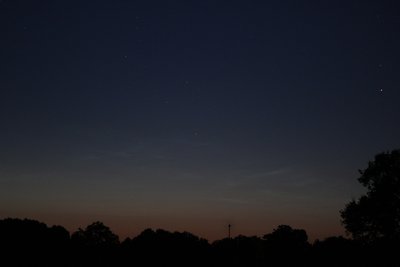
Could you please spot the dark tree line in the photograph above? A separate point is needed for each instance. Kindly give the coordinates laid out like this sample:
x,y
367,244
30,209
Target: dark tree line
x,y
32,243
373,221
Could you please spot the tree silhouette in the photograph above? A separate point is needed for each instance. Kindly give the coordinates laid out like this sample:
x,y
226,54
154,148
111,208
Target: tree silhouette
x,y
96,245
337,251
32,243
239,251
95,235
163,248
287,246
375,216
285,236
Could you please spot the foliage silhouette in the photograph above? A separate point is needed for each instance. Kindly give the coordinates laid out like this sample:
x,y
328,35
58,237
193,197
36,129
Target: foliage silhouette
x,y
238,251
160,247
337,251
374,219
31,243
95,235
376,215
287,246
96,245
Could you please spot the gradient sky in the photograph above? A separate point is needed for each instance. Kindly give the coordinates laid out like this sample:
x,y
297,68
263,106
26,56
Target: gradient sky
x,y
189,115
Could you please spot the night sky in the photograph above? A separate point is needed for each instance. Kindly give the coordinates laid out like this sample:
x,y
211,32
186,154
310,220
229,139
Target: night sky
x,y
190,115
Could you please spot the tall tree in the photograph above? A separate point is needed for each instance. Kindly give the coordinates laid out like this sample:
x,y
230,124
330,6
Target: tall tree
x,y
95,235
376,215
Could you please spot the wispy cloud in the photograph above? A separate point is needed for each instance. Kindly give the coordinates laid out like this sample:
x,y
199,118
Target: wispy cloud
x,y
269,173
106,154
255,178
233,200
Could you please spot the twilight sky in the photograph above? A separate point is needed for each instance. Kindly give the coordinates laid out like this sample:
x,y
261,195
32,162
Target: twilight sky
x,y
189,115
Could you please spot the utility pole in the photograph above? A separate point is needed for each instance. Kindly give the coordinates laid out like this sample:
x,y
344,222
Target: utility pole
x,y
229,231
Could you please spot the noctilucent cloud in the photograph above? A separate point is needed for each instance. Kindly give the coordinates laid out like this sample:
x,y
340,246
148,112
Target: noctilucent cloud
x,y
192,115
